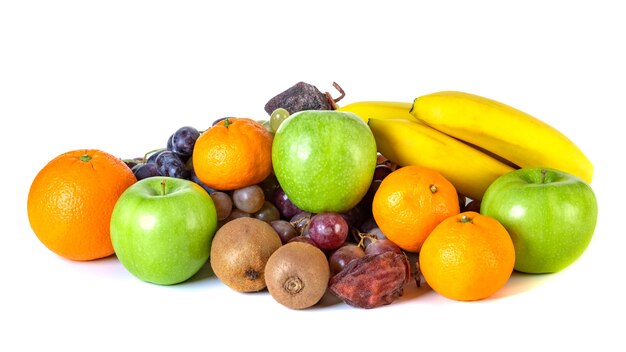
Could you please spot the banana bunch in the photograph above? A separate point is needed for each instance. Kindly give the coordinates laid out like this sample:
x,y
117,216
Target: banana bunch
x,y
469,139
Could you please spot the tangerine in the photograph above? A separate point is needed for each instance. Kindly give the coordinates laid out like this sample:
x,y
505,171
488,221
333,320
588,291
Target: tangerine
x,y
410,202
232,154
71,199
467,257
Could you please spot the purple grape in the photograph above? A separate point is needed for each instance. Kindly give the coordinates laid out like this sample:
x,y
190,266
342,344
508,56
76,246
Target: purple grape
x,y
344,255
363,209
183,140
249,199
131,163
169,164
193,177
380,172
223,204
304,239
284,205
267,213
154,155
328,230
142,171
285,230
367,225
269,185
382,246
356,215
170,144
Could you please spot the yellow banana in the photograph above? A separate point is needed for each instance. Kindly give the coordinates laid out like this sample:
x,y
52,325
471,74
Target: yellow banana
x,y
380,110
503,130
410,143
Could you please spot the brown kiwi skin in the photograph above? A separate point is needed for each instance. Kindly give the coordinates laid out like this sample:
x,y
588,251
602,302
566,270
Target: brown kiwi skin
x,y
297,275
239,252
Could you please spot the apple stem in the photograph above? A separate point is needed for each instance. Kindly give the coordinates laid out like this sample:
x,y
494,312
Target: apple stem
x,y
163,187
544,172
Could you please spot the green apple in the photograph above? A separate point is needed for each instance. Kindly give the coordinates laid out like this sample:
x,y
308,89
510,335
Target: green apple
x,y
550,215
324,160
162,228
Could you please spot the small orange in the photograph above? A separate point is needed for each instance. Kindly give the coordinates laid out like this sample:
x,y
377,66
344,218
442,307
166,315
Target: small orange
x,y
467,257
71,200
234,153
410,202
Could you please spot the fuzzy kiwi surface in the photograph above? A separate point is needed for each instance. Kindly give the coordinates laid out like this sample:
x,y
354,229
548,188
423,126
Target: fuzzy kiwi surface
x,y
239,252
297,275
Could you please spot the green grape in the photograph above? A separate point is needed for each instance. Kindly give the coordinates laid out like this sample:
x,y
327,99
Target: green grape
x,y
278,116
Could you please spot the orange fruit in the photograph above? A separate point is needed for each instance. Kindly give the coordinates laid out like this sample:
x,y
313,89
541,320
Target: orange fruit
x,y
234,153
71,200
467,257
410,202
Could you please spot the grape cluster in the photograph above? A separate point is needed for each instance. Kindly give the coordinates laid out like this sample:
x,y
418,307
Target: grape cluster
x,y
173,161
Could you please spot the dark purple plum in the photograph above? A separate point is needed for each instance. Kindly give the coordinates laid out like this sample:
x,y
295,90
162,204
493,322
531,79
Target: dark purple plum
x,y
169,164
142,171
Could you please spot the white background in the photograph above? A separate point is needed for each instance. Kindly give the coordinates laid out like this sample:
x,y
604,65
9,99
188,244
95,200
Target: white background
x,y
121,76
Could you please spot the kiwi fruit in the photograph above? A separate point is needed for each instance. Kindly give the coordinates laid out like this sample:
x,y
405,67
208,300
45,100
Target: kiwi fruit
x,y
297,275
239,252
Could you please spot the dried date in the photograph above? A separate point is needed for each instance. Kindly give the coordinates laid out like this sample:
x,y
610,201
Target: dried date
x,y
373,280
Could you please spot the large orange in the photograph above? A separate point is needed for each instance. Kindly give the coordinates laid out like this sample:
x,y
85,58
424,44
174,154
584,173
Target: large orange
x,y
410,202
71,200
234,153
467,257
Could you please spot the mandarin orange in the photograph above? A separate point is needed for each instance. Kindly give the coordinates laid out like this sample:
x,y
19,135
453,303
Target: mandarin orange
x,y
410,202
232,154
467,257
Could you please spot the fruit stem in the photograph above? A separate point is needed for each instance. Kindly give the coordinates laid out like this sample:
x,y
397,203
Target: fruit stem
x,y
145,156
332,100
163,187
363,236
227,122
85,158
544,172
465,219
433,188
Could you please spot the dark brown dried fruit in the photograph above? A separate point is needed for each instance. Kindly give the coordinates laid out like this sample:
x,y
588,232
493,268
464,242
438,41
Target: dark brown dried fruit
x,y
303,96
373,280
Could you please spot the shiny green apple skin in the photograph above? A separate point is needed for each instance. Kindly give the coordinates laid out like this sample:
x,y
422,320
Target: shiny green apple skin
x,y
162,228
324,160
550,215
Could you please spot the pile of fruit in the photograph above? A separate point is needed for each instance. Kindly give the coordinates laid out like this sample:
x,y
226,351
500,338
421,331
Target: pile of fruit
x,y
356,201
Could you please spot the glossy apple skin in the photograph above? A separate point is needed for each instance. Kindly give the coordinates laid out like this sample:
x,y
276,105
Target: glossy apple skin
x,y
550,215
163,236
324,160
